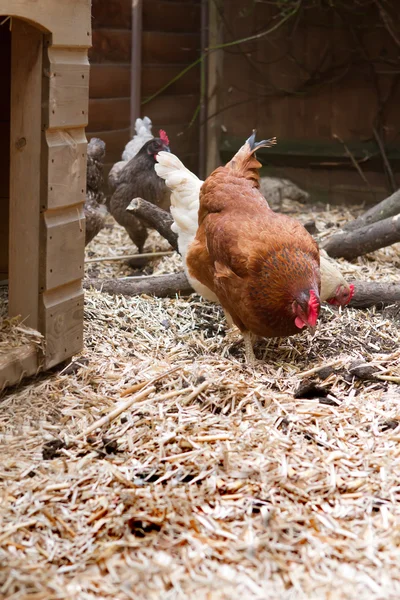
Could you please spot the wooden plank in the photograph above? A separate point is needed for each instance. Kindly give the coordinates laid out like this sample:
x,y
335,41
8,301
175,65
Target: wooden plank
x,y
160,47
65,235
159,15
5,73
241,116
66,165
18,363
68,74
318,104
4,158
317,150
62,240
63,317
109,81
115,14
68,21
5,83
154,77
350,121
26,97
172,110
111,45
108,114
214,80
136,62
4,220
279,109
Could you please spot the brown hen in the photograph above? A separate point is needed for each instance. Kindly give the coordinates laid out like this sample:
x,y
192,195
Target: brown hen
x,y
262,266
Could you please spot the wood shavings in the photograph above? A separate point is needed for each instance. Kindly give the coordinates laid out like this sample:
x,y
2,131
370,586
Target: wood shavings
x,y
221,484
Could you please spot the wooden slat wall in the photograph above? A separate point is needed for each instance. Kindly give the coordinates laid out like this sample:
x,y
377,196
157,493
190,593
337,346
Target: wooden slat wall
x,y
345,105
5,81
170,42
110,76
49,111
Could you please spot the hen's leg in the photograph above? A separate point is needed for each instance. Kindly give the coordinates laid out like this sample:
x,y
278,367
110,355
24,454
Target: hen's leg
x,y
249,340
138,234
228,318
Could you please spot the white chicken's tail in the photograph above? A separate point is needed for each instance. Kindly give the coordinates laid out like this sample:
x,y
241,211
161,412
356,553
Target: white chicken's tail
x,y
143,135
185,191
143,126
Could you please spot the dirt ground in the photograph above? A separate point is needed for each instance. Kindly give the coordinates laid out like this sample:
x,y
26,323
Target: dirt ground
x,y
219,480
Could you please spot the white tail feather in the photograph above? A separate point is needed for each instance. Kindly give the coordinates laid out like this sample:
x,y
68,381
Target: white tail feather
x,y
185,200
143,135
185,188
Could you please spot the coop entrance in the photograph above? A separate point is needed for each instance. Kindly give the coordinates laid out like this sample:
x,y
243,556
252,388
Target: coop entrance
x,y
20,110
5,87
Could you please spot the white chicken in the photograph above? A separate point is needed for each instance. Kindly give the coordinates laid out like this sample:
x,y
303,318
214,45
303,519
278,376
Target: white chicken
x,y
185,191
143,135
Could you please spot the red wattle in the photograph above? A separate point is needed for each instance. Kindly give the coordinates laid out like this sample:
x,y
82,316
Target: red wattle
x,y
299,323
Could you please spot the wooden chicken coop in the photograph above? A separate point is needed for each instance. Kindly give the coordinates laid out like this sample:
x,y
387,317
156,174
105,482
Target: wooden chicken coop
x,y
44,72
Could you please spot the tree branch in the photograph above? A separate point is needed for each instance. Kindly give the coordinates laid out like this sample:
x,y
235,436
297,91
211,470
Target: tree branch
x,y
370,293
350,244
385,209
162,286
156,217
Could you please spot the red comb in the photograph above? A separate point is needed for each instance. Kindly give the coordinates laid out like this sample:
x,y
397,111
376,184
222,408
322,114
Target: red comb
x,y
164,137
313,309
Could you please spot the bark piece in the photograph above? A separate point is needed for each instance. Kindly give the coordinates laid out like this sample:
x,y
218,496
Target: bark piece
x,y
350,244
163,286
155,217
371,293
385,209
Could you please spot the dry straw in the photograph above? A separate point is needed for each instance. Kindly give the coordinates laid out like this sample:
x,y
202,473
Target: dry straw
x,y
179,472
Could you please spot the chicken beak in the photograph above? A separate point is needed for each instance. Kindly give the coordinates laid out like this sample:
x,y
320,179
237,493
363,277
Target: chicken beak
x,y
312,330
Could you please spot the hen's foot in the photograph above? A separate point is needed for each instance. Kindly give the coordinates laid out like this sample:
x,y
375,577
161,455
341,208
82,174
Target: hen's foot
x,y
249,340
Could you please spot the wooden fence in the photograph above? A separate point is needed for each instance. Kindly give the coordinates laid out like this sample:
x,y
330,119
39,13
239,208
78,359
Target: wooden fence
x,y
110,76
170,40
320,79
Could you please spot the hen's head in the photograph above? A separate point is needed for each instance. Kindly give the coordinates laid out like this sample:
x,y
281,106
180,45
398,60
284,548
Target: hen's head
x,y
343,295
156,145
285,289
306,309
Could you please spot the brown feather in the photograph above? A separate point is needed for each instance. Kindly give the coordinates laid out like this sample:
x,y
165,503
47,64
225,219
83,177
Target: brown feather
x,y
256,261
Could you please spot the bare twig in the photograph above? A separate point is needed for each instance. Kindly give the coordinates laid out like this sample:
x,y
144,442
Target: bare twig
x,y
387,21
388,168
116,412
354,161
127,257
